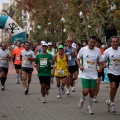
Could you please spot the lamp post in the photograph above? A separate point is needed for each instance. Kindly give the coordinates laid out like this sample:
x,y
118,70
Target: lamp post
x,y
63,29
30,29
80,26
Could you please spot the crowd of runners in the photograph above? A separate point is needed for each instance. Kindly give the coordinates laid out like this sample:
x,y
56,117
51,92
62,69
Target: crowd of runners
x,y
65,64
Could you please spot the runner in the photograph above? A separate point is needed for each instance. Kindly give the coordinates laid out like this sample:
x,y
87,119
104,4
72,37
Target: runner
x,y
61,69
112,56
5,55
90,56
16,54
76,71
72,54
51,51
27,57
100,71
43,63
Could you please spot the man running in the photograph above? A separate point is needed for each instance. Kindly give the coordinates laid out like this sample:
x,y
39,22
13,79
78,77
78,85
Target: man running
x,y
16,54
28,57
72,54
43,64
5,55
112,56
61,69
90,56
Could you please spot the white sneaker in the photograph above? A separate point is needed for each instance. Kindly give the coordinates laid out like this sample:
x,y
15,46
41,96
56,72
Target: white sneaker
x,y
73,89
67,91
58,96
95,100
43,100
90,111
81,102
111,107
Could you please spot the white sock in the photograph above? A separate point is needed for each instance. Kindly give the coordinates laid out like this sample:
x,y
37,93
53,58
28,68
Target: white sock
x,y
20,76
59,90
17,76
90,102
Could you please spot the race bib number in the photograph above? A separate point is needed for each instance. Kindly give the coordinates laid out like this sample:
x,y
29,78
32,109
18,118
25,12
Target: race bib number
x,y
61,72
43,61
17,57
26,61
69,57
116,62
3,61
90,65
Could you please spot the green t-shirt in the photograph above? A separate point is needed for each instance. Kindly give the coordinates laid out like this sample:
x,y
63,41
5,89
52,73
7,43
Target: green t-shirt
x,y
44,66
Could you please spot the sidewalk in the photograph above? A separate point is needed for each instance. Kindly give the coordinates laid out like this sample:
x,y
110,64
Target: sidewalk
x,y
14,105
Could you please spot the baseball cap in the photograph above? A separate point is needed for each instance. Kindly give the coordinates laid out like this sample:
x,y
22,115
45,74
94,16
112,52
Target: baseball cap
x,y
44,44
73,45
49,43
60,47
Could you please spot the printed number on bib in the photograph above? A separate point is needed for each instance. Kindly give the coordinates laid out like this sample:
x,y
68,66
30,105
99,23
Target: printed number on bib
x,y
3,61
69,57
116,62
26,61
61,72
17,57
43,61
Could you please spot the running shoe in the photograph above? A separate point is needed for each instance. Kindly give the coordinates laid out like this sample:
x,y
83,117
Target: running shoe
x,y
95,100
3,88
81,102
26,91
111,107
67,91
18,82
73,89
43,100
90,111
58,96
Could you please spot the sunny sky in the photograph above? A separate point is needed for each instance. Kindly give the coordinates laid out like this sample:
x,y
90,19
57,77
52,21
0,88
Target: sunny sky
x,y
4,1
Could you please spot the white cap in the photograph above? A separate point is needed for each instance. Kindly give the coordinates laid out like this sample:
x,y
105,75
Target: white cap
x,y
44,44
49,43
74,45
103,46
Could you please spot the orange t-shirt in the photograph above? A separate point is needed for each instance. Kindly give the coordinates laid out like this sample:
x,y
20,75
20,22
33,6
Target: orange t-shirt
x,y
16,52
102,51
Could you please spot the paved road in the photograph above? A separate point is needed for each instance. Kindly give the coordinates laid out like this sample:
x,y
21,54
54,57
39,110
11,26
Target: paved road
x,y
14,105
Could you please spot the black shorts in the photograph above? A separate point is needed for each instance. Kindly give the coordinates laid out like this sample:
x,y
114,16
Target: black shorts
x,y
27,70
17,66
114,78
45,79
3,69
100,74
61,77
73,68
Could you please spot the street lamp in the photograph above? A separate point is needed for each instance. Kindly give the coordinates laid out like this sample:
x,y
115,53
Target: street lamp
x,y
39,27
30,29
63,36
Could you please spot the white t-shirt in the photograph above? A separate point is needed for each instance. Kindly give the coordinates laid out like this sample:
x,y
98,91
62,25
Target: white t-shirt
x,y
4,61
113,60
89,58
25,55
